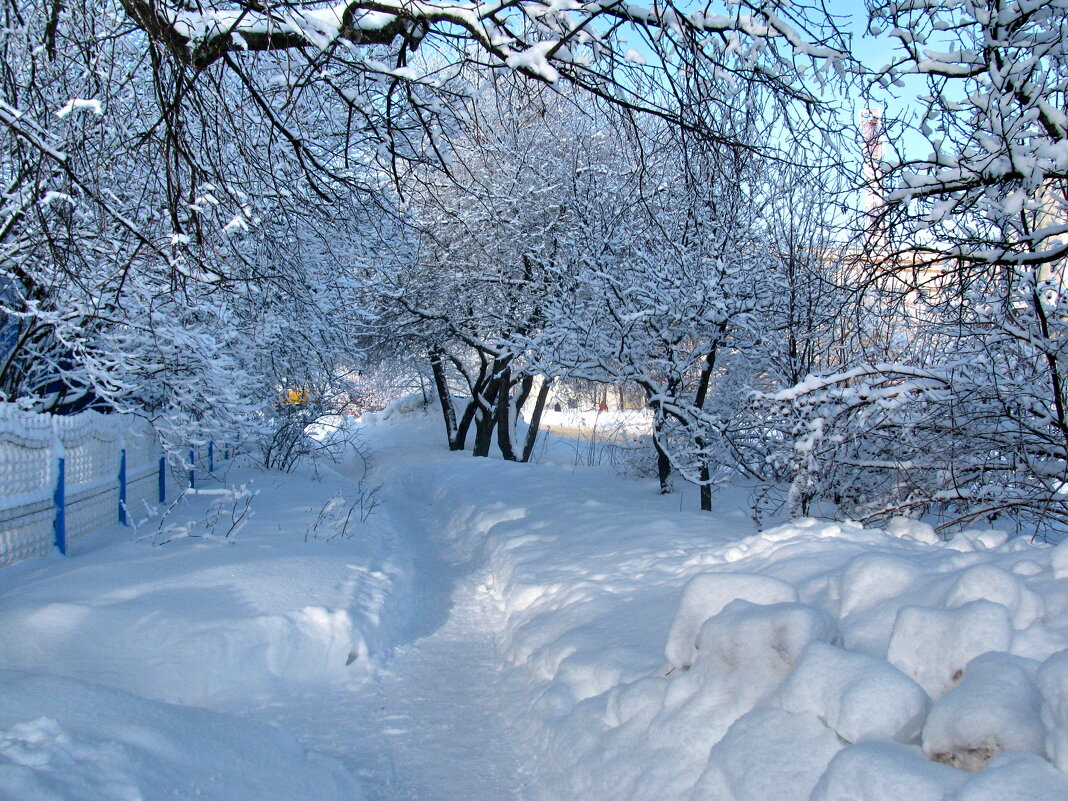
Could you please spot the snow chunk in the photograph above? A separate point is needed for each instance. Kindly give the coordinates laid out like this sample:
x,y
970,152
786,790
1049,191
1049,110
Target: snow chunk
x,y
978,540
1052,680
414,404
1059,560
885,771
1015,776
743,655
761,641
748,764
987,582
705,596
934,645
858,696
909,529
872,578
535,60
78,104
996,708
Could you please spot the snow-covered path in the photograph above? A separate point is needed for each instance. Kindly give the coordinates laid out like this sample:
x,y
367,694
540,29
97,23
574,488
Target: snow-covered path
x,y
503,632
431,727
432,724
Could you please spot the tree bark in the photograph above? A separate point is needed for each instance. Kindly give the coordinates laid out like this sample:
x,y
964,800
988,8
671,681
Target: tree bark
x,y
535,421
706,488
505,417
705,474
663,463
448,410
485,417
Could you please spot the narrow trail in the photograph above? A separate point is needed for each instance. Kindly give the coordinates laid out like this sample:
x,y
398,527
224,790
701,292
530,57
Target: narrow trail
x,y
432,724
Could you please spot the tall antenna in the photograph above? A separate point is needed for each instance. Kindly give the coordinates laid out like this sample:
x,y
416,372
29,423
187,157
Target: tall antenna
x,y
871,132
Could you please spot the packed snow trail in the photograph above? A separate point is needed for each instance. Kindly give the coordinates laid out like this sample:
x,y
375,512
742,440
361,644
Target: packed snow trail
x,y
431,726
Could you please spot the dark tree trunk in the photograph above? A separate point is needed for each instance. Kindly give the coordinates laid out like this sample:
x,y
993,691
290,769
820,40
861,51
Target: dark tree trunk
x,y
663,463
505,418
485,417
526,383
448,410
706,489
705,474
464,426
535,420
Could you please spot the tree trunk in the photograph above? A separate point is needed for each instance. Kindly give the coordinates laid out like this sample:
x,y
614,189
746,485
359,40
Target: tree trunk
x,y
505,417
663,463
464,426
448,411
525,385
485,418
705,475
535,421
706,488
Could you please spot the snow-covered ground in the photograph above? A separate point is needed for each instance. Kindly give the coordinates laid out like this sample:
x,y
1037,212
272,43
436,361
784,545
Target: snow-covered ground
x,y
533,632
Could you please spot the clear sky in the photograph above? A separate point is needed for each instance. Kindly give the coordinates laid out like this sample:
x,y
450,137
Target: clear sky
x,y
874,52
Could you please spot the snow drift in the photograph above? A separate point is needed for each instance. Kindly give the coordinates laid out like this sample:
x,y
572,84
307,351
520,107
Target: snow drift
x,y
664,656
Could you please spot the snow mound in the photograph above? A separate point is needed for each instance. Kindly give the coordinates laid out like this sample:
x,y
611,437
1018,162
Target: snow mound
x,y
748,765
995,708
934,645
872,578
1015,776
761,643
883,771
65,739
992,583
1059,560
416,403
1052,680
909,529
858,696
705,596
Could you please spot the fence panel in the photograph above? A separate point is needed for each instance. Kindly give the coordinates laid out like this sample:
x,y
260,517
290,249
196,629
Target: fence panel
x,y
27,481
90,446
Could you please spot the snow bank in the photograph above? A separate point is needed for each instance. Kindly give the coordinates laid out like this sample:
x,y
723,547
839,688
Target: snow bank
x,y
705,596
210,621
856,695
397,409
1052,680
995,708
65,739
933,645
816,660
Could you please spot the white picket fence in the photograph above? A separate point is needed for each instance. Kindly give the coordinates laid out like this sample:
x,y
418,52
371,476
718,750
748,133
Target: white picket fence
x,y
62,477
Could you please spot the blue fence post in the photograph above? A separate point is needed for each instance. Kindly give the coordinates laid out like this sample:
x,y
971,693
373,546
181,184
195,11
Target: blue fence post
x,y
211,456
59,524
192,469
122,487
163,479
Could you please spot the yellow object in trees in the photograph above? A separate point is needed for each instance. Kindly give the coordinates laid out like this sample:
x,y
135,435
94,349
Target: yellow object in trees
x,y
297,397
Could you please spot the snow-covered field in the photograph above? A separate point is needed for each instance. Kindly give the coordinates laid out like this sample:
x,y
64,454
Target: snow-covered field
x,y
541,633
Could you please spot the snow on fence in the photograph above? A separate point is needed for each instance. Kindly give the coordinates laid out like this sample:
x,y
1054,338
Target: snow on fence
x,y
65,476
